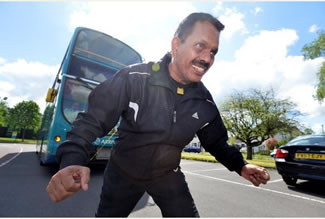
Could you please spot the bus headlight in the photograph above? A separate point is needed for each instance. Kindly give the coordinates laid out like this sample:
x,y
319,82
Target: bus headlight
x,y
57,138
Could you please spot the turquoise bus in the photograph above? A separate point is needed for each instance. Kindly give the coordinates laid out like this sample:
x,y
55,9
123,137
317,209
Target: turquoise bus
x,y
91,58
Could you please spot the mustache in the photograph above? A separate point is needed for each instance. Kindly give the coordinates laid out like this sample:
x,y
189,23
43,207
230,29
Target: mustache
x,y
201,63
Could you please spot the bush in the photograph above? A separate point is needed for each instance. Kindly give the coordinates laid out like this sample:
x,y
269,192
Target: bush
x,y
271,143
282,142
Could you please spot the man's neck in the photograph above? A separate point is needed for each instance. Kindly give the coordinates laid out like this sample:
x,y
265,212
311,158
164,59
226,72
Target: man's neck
x,y
172,71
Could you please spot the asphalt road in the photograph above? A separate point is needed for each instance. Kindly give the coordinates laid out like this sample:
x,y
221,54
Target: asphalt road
x,y
216,191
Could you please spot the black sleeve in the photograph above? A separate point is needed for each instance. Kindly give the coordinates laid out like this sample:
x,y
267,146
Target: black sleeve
x,y
106,103
213,138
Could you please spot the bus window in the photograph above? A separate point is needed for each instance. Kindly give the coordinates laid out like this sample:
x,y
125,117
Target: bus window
x,y
102,48
97,56
89,70
75,98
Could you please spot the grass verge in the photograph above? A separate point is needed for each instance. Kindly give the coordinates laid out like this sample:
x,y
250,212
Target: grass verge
x,y
17,140
260,160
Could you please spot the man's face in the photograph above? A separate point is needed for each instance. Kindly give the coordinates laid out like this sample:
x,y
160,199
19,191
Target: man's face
x,y
193,57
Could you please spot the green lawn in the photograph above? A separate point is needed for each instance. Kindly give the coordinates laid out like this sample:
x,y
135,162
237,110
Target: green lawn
x,y
17,140
258,159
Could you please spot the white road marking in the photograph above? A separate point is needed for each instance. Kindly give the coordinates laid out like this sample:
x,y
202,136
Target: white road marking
x,y
187,163
252,186
274,181
6,162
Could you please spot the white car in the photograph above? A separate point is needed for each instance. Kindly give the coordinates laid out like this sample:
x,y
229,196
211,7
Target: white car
x,y
243,149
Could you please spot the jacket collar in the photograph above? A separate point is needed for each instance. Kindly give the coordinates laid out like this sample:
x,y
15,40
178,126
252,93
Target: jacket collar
x,y
160,72
160,77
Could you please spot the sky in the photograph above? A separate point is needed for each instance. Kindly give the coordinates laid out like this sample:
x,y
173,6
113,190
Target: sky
x,y
259,48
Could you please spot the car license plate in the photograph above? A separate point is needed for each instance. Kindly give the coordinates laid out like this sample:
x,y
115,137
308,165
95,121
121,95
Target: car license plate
x,y
103,154
310,156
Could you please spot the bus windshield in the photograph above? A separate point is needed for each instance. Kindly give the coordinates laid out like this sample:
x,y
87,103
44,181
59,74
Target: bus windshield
x,y
96,56
75,98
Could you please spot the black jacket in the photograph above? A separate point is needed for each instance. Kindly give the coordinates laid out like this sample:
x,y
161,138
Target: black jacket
x,y
157,123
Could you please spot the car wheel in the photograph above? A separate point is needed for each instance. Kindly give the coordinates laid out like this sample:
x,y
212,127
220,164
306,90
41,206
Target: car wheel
x,y
291,181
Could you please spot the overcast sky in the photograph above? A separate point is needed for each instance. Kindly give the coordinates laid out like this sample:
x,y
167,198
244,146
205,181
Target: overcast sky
x,y
259,48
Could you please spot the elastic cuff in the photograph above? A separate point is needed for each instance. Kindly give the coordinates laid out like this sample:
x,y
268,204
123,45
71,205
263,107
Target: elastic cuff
x,y
238,170
72,159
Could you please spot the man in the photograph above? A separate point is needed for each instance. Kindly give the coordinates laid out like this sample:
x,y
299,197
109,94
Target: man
x,y
162,106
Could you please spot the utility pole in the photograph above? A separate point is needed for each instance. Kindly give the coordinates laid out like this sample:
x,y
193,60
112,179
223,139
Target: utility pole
x,y
323,129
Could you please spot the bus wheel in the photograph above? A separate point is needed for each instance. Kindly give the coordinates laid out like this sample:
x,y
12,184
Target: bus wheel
x,y
39,146
41,163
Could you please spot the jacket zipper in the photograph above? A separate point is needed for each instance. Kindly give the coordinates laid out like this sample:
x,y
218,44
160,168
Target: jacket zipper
x,y
175,113
174,117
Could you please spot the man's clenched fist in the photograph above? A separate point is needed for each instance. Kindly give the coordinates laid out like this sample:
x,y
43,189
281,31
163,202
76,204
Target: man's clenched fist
x,y
67,182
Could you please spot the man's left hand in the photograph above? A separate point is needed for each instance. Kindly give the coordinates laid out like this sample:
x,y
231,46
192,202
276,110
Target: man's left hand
x,y
255,174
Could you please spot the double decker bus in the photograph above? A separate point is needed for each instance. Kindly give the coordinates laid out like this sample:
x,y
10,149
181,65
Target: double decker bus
x,y
91,58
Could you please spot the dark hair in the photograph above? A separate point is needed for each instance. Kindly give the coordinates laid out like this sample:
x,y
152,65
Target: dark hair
x,y
186,26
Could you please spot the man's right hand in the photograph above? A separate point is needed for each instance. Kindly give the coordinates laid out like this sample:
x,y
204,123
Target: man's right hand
x,y
67,182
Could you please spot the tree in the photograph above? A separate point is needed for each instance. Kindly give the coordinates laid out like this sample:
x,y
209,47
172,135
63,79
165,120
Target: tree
x,y
308,131
3,113
255,115
25,115
314,50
